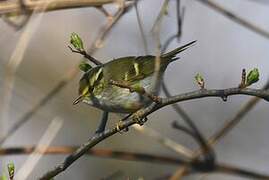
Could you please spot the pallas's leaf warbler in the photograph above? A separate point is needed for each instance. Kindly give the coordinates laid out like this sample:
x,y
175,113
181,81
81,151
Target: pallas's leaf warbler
x,y
95,86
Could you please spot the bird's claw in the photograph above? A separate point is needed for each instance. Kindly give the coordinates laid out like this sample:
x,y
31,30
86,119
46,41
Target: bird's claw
x,y
119,127
140,120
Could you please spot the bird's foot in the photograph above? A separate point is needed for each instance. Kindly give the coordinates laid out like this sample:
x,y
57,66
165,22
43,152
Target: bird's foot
x,y
120,128
139,120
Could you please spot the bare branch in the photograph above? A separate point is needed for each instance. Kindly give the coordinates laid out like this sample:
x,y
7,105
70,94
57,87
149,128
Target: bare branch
x,y
235,171
243,79
14,7
172,145
140,25
66,78
103,153
43,143
86,55
247,24
227,127
264,94
144,112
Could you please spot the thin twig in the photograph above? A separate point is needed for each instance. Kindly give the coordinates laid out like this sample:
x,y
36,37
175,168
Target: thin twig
x,y
230,124
86,55
141,29
99,42
227,127
264,94
103,153
37,153
13,64
227,169
144,112
232,16
179,127
180,18
156,30
236,171
14,7
243,79
65,80
194,132
104,11
172,145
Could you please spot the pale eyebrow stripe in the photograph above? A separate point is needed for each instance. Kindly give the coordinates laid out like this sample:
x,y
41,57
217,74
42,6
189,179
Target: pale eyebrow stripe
x,y
98,73
136,67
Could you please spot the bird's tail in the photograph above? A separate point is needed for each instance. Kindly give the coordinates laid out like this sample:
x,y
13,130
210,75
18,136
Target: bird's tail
x,y
170,55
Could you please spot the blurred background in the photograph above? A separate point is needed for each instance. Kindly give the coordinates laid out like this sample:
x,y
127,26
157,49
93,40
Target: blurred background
x,y
223,49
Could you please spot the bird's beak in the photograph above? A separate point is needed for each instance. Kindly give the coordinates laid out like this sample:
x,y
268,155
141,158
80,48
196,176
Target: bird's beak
x,y
78,100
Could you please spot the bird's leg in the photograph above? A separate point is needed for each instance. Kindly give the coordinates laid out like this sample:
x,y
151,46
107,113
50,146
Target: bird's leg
x,y
136,118
102,124
119,124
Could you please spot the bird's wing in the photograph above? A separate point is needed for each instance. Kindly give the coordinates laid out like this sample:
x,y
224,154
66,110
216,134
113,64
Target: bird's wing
x,y
130,69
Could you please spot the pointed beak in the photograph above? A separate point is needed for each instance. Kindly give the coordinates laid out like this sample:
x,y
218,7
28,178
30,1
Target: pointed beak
x,y
78,100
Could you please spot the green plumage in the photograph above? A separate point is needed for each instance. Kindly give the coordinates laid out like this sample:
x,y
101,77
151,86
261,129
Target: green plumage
x,y
95,87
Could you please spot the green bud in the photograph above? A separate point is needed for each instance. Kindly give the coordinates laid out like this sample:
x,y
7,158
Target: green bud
x,y
11,170
76,42
83,66
200,80
252,77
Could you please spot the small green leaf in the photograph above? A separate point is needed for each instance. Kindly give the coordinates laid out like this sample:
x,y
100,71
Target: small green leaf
x,y
11,170
83,66
76,42
200,80
252,77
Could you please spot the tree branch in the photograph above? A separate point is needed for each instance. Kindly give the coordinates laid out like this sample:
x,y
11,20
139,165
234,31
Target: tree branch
x,y
227,127
29,6
222,93
144,112
104,153
86,55
68,76
247,24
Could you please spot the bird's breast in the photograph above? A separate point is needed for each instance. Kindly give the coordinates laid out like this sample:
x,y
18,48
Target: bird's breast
x,y
121,100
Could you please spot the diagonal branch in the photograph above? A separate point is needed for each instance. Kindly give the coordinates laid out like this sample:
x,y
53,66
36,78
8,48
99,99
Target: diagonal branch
x,y
86,55
144,112
103,153
141,29
227,127
232,16
14,7
67,77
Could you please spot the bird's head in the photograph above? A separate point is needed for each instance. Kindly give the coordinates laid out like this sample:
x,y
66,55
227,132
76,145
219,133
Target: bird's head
x,y
87,84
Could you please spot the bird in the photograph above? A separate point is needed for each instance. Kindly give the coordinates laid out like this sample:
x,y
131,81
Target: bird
x,y
96,89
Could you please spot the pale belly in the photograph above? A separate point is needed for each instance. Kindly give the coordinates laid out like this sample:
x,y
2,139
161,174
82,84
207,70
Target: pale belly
x,y
122,100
